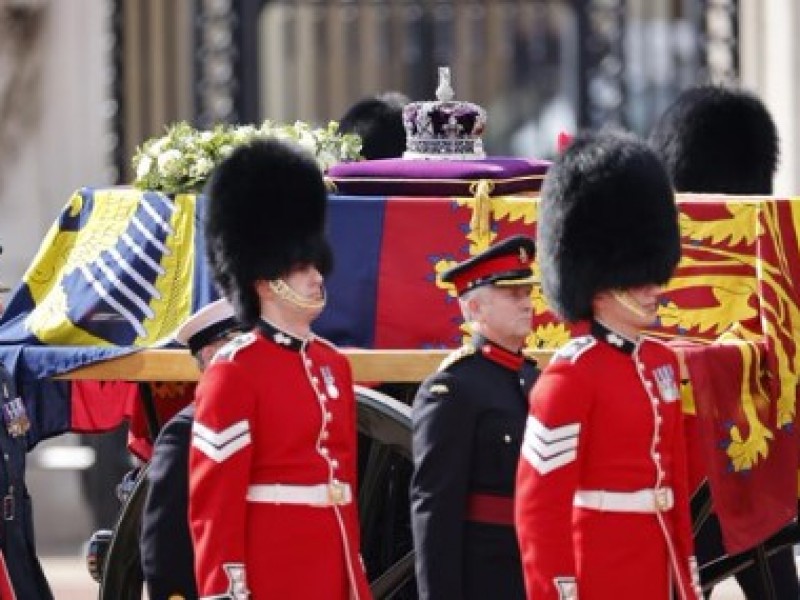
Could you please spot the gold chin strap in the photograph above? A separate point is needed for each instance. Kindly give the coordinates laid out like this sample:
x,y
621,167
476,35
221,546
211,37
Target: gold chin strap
x,y
282,290
629,303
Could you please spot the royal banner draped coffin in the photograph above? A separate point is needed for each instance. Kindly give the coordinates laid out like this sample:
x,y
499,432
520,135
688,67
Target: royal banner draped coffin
x,y
121,268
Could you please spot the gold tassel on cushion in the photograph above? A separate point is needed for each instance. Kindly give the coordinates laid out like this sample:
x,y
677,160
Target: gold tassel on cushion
x,y
480,224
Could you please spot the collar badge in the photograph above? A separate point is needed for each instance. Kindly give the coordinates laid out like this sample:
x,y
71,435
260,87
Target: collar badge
x,y
615,340
282,338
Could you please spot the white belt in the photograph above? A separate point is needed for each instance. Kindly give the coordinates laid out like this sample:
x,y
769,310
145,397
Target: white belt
x,y
640,501
322,494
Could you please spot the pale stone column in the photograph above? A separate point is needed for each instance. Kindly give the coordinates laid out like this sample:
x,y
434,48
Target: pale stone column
x,y
54,91
770,67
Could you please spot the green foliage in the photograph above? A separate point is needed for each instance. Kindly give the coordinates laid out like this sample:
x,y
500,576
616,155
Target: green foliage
x,y
182,159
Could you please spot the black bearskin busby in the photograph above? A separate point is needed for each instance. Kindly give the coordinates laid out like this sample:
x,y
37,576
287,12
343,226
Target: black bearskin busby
x,y
266,214
715,139
379,122
607,220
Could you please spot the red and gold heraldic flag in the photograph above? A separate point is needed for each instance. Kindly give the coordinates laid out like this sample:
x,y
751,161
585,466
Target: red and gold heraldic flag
x,y
737,288
733,306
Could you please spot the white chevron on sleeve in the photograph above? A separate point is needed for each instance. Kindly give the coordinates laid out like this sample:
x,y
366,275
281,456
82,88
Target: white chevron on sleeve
x,y
549,448
221,445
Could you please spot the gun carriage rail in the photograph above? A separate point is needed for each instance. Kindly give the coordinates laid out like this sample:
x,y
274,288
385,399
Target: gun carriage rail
x,y
178,365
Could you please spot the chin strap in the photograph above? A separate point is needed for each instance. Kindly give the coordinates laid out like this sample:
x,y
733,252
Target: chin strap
x,y
632,305
283,291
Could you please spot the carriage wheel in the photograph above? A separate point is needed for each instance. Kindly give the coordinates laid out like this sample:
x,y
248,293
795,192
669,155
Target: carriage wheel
x,y
384,427
122,572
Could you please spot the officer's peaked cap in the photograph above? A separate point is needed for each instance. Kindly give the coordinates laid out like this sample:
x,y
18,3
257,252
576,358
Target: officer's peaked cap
x,y
508,262
207,325
607,220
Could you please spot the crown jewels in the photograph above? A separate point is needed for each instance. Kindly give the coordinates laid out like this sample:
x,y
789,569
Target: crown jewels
x,y
444,128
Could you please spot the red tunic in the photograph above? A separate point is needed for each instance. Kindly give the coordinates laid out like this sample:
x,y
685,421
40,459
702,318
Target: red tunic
x,y
605,417
6,589
273,409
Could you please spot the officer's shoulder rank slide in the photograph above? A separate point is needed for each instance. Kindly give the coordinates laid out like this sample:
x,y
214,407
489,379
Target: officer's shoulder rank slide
x,y
457,355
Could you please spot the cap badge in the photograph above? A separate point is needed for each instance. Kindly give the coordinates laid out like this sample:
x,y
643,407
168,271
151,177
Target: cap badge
x,y
524,257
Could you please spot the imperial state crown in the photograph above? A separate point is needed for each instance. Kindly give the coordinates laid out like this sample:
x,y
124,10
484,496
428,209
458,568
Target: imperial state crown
x,y
444,128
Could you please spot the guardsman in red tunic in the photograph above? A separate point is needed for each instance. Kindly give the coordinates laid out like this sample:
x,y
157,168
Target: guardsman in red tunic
x,y
602,506
720,140
468,421
273,460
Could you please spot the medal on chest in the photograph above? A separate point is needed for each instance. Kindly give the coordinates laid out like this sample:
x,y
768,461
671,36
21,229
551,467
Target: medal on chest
x,y
15,417
666,382
330,382
14,414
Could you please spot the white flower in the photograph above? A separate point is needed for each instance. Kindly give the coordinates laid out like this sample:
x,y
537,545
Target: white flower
x,y
144,166
168,161
157,147
201,167
185,157
327,159
282,134
243,134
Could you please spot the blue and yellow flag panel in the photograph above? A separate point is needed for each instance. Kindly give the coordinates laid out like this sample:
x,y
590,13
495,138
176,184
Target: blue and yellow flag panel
x,y
115,269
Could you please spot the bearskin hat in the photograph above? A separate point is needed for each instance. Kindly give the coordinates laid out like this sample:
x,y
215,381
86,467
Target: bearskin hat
x,y
379,122
714,139
265,215
607,220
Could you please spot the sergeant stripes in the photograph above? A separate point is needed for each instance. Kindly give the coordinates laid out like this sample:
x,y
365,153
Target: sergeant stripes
x,y
549,448
221,445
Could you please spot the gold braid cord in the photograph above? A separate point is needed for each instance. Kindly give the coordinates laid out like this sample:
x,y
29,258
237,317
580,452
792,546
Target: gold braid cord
x,y
481,221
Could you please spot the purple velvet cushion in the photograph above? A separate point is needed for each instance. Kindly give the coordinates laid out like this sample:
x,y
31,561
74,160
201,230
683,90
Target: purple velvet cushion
x,y
403,177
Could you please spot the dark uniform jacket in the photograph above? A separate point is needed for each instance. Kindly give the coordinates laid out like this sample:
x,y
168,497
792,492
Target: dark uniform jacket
x,y
16,518
166,544
468,422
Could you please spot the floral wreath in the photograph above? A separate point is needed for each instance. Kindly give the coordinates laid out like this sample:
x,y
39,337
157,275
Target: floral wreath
x,y
182,159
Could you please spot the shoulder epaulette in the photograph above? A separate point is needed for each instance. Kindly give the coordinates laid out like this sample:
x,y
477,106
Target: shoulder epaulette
x,y
457,355
229,350
575,348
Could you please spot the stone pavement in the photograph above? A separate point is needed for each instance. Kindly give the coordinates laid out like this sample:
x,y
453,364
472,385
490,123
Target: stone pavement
x,y
70,580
